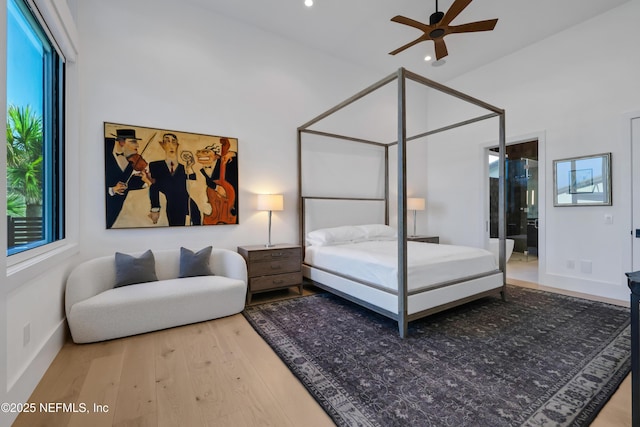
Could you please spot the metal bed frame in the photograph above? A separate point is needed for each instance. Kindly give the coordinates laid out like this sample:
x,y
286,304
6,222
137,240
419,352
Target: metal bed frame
x,y
401,77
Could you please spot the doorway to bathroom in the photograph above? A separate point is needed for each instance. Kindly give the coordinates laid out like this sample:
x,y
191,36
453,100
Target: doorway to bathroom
x,y
522,201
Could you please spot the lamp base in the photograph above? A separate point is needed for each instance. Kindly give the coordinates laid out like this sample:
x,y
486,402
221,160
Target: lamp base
x,y
268,244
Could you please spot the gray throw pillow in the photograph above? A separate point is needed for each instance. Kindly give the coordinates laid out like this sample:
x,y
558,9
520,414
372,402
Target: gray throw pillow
x,y
195,264
131,270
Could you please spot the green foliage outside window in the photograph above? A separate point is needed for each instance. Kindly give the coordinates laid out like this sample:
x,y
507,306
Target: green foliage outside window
x,y
24,162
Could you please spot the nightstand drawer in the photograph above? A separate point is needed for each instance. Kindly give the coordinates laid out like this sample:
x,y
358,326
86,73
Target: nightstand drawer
x,y
274,267
276,255
275,281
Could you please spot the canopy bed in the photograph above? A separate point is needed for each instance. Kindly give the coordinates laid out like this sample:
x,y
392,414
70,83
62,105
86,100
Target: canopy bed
x,y
360,257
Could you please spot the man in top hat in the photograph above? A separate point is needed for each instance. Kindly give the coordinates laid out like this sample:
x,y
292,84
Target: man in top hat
x,y
120,176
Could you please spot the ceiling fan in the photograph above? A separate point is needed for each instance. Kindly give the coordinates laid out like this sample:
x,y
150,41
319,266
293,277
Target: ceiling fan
x,y
439,27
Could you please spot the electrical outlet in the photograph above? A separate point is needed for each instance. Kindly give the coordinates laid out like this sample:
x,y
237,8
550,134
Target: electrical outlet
x,y
608,219
586,266
571,264
26,334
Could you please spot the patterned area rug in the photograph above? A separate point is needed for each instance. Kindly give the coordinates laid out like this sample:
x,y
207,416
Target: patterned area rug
x,y
539,359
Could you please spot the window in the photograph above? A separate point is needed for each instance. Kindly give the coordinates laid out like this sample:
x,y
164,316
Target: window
x,y
35,143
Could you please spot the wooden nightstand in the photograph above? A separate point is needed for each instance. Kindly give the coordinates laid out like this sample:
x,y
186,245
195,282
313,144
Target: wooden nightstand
x,y
276,267
424,239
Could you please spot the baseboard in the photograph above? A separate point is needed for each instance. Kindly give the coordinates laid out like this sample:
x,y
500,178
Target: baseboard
x,y
20,386
607,290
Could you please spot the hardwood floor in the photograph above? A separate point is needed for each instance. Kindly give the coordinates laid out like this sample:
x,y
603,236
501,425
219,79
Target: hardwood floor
x,y
216,373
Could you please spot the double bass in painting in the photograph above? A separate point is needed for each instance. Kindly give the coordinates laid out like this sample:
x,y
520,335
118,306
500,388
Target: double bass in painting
x,y
220,171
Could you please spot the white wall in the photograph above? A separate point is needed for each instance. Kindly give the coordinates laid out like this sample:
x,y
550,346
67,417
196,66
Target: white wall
x,y
573,89
175,66
168,65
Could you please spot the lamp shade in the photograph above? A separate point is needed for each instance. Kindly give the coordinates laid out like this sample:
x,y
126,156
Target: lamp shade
x,y
270,202
415,204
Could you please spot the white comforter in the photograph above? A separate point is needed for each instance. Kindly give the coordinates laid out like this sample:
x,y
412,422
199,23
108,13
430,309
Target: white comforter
x,y
376,262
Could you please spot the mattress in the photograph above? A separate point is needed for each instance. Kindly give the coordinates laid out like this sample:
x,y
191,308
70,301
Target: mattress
x,y
375,262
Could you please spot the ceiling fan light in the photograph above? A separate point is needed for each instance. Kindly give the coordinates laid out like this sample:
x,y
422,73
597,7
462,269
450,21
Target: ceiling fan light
x,y
436,33
308,3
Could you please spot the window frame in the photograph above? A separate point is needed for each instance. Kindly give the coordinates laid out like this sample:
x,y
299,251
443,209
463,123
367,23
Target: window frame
x,y
57,21
53,117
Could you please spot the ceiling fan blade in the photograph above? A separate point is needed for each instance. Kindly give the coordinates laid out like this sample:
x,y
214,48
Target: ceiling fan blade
x,y
455,9
441,48
471,27
408,45
412,23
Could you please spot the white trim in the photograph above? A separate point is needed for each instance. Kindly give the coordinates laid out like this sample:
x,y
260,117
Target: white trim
x,y
541,137
38,263
543,166
21,384
616,291
27,255
58,21
626,126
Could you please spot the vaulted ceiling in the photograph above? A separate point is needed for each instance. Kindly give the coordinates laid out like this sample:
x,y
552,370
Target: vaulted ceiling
x,y
361,31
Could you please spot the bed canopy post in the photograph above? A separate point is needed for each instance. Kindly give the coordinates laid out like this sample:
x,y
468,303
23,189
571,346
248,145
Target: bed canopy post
x,y
402,206
386,184
300,198
502,208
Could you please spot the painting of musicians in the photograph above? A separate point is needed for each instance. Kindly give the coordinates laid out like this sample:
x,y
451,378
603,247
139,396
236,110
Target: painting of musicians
x,y
162,178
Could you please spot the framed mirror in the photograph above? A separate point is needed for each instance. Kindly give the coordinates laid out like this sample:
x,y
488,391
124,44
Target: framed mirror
x,y
582,181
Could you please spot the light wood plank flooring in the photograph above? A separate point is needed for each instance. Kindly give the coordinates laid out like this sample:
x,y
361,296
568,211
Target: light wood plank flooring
x,y
216,373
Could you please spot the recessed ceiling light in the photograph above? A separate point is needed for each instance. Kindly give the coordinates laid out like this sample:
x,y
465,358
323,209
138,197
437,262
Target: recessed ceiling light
x,y
308,3
427,58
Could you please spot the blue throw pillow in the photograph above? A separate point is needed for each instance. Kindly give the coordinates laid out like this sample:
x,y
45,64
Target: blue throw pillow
x,y
195,264
131,270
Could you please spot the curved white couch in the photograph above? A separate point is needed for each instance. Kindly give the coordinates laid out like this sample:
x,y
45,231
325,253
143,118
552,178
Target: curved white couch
x,y
96,311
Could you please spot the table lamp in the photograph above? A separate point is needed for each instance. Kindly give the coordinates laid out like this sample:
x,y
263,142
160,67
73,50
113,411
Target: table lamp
x,y
415,204
270,203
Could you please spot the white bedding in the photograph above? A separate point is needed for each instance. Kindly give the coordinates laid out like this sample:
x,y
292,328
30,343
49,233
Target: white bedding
x,y
375,262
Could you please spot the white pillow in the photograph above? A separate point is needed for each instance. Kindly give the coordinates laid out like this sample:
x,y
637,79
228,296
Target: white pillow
x,y
336,235
379,232
351,234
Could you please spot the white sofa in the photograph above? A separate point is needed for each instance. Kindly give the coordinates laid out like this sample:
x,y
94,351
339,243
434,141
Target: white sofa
x,y
96,311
